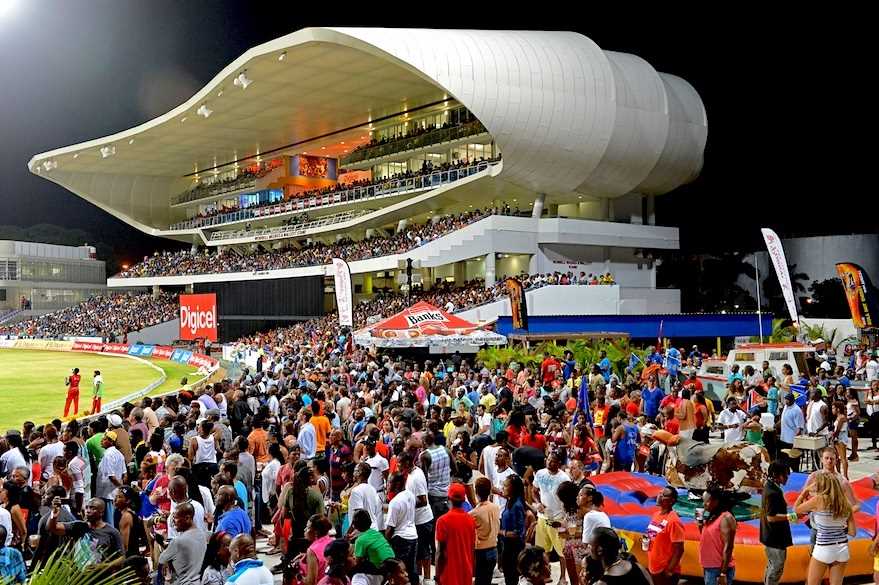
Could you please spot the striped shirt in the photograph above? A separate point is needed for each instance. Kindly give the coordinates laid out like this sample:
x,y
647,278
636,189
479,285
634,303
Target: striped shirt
x,y
439,473
830,530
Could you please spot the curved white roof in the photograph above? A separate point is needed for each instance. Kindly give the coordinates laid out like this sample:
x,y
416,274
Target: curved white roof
x,y
568,116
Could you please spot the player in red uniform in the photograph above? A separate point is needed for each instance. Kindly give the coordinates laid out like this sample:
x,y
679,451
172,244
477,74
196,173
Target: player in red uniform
x,y
72,383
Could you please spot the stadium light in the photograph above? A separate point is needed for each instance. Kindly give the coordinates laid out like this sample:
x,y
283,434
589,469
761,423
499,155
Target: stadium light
x,y
282,56
49,165
242,81
107,151
204,110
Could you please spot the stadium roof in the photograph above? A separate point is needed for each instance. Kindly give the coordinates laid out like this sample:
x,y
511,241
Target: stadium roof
x,y
568,117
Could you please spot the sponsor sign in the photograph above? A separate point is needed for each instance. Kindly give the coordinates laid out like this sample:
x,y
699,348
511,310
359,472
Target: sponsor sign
x,y
88,346
181,356
198,316
7,343
116,347
776,253
859,293
424,317
344,299
202,361
141,350
164,352
45,344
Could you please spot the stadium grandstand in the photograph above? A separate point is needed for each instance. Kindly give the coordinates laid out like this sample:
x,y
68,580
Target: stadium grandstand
x,y
468,155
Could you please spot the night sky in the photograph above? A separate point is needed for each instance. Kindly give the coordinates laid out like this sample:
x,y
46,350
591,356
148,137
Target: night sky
x,y
779,93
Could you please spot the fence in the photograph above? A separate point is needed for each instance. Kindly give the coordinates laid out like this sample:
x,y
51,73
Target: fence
x,y
431,138
288,231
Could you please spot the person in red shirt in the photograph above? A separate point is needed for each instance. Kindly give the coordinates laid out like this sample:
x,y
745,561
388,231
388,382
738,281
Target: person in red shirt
x,y
534,439
672,399
548,368
672,424
456,541
72,383
665,535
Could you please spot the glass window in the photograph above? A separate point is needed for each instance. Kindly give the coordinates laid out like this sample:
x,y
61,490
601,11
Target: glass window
x,y
778,356
744,357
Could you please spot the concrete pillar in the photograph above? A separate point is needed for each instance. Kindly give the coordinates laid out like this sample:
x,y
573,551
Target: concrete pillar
x,y
651,210
537,211
640,212
189,288
156,291
193,249
460,272
370,233
402,224
610,210
340,237
490,269
553,210
367,283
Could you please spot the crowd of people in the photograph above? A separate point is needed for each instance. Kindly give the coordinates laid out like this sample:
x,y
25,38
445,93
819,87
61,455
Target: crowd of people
x,y
204,217
185,262
110,316
205,189
370,469
419,130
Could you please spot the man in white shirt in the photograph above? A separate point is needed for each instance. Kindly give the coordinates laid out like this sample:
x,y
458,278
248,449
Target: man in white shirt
x,y
550,512
307,437
416,484
502,471
731,420
378,465
872,369
364,497
76,469
53,448
400,525
111,474
178,492
484,417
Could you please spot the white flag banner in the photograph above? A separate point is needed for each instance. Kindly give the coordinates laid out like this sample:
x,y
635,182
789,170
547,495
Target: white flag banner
x,y
776,252
344,299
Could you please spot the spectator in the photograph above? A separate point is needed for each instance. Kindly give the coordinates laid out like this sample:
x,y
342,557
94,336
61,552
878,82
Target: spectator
x,y
456,541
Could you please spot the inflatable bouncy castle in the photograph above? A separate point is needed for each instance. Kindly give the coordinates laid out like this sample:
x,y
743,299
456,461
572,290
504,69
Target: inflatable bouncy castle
x,y
630,501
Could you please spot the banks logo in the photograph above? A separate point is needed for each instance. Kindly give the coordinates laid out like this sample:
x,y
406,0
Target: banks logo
x,y
198,316
425,316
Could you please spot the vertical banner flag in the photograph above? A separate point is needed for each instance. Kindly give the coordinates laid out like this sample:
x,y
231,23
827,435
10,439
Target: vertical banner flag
x,y
198,316
344,300
860,294
517,303
776,252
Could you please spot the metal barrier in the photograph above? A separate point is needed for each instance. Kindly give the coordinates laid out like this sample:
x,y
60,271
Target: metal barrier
x,y
195,195
289,231
383,189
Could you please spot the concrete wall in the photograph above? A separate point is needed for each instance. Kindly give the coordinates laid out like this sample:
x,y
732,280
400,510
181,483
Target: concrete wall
x,y
818,256
584,300
161,334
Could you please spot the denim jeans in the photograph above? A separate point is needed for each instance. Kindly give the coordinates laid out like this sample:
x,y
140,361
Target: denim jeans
x,y
711,575
404,549
775,558
485,562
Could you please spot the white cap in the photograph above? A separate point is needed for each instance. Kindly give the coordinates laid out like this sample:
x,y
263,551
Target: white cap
x,y
114,420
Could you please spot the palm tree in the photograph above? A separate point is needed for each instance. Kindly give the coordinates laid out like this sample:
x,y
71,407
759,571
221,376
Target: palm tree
x,y
60,567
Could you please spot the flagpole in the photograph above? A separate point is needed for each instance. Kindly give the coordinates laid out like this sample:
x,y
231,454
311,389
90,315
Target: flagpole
x,y
759,308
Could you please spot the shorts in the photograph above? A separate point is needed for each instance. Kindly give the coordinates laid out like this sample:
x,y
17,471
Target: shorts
x,y
425,541
831,553
853,426
548,538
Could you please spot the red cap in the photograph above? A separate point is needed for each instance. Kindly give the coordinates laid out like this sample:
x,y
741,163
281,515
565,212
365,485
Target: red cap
x,y
457,492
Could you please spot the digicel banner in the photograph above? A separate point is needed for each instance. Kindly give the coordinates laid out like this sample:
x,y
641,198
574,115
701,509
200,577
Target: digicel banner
x,y
198,316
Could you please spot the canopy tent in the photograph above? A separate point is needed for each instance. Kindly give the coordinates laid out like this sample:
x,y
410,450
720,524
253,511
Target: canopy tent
x,y
423,325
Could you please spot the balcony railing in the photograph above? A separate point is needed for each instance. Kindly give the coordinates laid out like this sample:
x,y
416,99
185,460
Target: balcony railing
x,y
288,231
356,194
421,141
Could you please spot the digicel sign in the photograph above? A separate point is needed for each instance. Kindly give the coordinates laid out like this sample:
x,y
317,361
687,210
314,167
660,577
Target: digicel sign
x,y
198,316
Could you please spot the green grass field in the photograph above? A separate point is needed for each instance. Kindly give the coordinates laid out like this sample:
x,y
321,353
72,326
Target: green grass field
x,y
32,382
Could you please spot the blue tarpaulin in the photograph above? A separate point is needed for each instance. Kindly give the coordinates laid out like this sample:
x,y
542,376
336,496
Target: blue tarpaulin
x,y
646,326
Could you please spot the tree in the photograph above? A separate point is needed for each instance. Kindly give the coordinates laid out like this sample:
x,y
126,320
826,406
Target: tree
x,y
827,300
708,281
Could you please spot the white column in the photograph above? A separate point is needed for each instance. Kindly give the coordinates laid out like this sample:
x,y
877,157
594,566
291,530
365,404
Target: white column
x,y
156,291
537,211
402,224
490,269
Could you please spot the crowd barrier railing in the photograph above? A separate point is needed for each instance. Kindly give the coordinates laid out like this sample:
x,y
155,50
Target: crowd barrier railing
x,y
365,193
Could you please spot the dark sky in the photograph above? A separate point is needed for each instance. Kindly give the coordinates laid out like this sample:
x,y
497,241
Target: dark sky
x,y
778,93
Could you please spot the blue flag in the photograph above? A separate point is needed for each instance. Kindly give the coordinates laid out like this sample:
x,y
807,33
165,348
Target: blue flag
x,y
583,401
800,393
